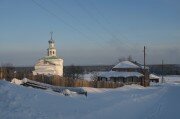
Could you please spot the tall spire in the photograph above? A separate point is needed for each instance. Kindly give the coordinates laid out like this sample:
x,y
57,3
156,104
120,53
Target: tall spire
x,y
52,49
51,34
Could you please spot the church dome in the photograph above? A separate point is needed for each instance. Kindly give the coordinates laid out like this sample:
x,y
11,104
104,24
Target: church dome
x,y
51,41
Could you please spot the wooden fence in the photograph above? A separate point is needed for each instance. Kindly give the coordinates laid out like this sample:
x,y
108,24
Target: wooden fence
x,y
67,82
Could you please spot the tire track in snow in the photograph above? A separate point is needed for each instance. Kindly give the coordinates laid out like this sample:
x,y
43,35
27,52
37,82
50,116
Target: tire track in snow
x,y
156,109
130,103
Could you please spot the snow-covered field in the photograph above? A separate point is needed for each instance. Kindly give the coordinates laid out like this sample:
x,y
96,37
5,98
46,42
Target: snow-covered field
x,y
160,101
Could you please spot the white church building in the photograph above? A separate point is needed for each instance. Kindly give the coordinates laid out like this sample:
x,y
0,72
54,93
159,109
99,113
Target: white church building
x,y
50,64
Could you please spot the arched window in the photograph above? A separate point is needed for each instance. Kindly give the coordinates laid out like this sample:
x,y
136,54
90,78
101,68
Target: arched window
x,y
50,53
53,52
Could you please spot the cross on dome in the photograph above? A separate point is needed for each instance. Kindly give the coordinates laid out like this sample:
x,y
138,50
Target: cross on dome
x,y
51,40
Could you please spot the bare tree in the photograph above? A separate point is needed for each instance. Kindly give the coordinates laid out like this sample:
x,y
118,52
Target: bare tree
x,y
7,71
73,72
94,76
121,59
130,58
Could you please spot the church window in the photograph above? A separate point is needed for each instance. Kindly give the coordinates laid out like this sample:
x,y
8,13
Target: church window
x,y
50,53
53,52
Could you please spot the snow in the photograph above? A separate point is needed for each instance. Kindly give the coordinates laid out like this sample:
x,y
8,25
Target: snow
x,y
102,90
95,90
87,76
128,102
153,76
120,74
17,81
67,92
172,79
132,86
126,64
60,89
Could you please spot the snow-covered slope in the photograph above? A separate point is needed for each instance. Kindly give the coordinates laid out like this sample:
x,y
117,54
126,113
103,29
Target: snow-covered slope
x,y
172,78
129,102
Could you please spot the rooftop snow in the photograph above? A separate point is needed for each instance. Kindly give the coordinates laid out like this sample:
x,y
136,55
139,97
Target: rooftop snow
x,y
153,76
120,74
126,64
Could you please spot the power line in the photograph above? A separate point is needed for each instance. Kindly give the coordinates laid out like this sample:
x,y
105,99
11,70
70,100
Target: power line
x,y
104,18
91,16
100,13
162,71
58,18
71,15
101,25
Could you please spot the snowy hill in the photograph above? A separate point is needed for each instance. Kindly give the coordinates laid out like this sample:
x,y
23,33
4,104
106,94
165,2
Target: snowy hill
x,y
129,102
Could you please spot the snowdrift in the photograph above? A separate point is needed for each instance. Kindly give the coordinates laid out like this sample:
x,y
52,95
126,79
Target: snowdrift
x,y
35,84
130,102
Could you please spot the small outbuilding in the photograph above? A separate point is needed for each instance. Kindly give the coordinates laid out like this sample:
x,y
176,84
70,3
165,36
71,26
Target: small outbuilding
x,y
154,78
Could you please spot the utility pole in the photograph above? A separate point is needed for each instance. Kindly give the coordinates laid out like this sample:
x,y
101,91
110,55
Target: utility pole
x,y
144,66
144,57
1,72
162,71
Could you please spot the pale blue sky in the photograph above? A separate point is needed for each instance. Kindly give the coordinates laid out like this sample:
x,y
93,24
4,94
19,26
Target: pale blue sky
x,y
90,32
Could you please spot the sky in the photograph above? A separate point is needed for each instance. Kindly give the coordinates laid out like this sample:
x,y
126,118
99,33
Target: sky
x,y
90,32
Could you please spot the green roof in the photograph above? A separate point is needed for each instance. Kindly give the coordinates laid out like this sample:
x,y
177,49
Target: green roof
x,y
51,48
50,57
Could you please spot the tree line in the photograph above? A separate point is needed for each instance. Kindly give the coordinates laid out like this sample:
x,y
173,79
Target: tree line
x,y
72,77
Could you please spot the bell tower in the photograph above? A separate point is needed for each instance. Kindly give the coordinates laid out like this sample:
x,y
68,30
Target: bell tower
x,y
51,51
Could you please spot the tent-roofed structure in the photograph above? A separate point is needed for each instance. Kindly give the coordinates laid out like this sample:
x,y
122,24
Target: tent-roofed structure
x,y
125,72
126,64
